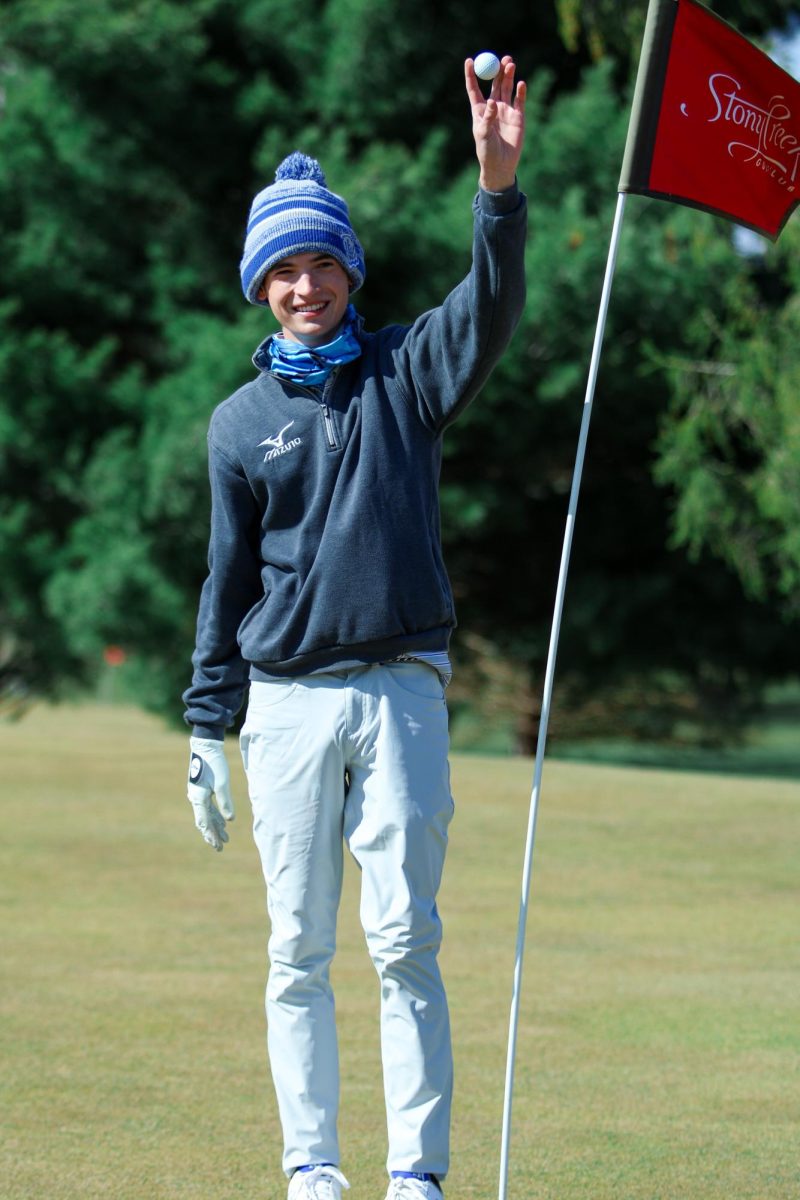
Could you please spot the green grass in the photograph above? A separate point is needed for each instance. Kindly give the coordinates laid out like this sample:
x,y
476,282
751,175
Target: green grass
x,y
770,746
659,1049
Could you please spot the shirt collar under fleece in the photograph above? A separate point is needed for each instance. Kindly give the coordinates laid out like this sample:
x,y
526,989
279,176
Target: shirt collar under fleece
x,y
309,365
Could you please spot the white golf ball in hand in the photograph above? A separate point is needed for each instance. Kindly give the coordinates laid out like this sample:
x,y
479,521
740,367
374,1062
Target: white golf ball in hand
x,y
487,65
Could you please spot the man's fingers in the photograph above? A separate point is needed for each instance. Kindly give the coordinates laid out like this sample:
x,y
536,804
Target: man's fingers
x,y
487,120
220,837
225,802
474,93
208,819
207,831
213,834
503,82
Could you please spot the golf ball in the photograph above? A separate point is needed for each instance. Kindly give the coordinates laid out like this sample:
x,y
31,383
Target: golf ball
x,y
487,65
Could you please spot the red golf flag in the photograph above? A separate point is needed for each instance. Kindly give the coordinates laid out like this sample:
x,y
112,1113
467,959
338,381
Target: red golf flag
x,y
715,123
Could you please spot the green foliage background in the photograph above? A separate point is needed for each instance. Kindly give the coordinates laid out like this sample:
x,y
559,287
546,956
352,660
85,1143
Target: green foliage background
x,y
133,134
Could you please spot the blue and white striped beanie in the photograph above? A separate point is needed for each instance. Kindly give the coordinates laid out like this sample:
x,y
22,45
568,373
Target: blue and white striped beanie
x,y
297,214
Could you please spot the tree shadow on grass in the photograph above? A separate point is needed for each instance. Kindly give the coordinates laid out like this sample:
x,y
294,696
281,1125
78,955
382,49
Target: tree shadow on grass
x,y
758,756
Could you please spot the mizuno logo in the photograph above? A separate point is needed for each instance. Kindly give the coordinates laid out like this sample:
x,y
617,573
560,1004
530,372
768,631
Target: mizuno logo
x,y
277,445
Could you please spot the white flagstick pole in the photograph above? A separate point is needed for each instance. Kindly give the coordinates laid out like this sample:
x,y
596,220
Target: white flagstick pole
x,y
548,689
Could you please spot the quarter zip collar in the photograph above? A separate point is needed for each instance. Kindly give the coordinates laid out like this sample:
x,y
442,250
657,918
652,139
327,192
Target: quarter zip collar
x,y
321,397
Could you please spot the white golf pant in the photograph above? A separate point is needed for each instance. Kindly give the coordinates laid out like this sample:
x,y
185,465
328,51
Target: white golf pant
x,y
359,755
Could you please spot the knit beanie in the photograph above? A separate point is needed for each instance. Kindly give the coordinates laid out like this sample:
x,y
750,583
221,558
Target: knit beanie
x,y
297,214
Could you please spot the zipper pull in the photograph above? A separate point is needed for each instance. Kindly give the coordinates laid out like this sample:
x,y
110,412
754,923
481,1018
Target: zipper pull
x,y
329,429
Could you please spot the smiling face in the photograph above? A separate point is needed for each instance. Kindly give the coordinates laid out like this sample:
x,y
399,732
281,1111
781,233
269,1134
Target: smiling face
x,y
308,294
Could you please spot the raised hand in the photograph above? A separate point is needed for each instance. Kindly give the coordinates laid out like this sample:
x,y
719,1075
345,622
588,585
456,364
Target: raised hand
x,y
498,124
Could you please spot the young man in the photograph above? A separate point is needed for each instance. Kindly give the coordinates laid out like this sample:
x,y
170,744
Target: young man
x,y
327,590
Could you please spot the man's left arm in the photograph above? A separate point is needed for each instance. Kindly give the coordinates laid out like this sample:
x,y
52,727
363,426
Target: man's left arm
x,y
449,352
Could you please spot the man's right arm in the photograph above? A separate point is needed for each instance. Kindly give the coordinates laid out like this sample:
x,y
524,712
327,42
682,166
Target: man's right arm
x,y
449,352
231,589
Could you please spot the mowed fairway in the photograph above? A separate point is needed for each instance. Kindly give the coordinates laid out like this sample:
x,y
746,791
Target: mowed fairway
x,y
659,1051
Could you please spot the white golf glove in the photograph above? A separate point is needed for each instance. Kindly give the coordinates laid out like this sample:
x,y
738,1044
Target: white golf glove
x,y
209,778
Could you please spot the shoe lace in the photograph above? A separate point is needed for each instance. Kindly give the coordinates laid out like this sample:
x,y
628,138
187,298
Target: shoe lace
x,y
320,1184
408,1189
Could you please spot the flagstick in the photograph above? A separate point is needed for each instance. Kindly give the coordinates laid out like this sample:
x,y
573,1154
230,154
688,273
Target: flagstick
x,y
548,689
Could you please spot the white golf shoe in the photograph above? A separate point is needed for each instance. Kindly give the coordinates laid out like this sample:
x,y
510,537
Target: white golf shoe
x,y
321,1183
414,1189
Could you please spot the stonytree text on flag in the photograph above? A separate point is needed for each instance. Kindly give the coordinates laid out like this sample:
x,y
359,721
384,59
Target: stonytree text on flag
x,y
715,122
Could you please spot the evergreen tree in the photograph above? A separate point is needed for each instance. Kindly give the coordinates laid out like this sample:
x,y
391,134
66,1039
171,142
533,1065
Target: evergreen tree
x,y
730,441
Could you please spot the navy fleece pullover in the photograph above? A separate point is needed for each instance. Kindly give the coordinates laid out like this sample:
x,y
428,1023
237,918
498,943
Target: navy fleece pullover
x,y
325,548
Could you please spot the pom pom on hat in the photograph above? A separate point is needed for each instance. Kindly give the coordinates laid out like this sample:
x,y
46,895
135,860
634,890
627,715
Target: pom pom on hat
x,y
298,214
300,166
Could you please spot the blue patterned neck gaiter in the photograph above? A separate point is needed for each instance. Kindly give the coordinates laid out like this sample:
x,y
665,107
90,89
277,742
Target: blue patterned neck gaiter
x,y
309,365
